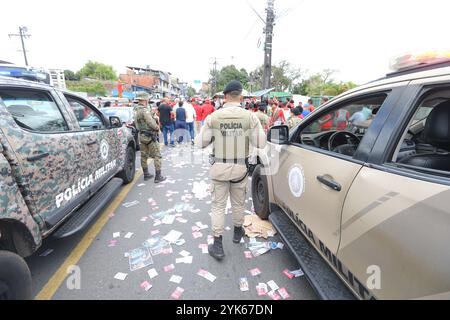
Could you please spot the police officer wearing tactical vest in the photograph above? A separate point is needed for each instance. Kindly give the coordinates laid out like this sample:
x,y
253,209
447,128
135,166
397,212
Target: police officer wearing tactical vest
x,y
231,130
148,125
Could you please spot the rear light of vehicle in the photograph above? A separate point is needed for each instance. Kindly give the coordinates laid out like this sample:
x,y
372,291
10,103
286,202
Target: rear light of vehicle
x,y
414,60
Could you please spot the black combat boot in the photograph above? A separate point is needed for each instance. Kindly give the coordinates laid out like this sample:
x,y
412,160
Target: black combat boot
x,y
147,175
239,232
216,250
159,178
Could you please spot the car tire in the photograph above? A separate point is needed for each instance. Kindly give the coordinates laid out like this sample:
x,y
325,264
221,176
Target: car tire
x,y
129,167
260,193
15,277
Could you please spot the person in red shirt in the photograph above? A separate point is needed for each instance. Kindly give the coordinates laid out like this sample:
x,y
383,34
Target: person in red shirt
x,y
277,115
207,109
198,115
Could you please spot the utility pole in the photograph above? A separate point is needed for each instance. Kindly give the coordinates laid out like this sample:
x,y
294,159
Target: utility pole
x,y
268,30
23,35
214,84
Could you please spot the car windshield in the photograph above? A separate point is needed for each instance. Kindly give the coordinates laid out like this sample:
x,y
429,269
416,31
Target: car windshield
x,y
125,115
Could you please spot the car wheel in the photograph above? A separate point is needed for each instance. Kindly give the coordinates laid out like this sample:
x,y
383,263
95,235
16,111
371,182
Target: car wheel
x,y
129,169
260,193
15,277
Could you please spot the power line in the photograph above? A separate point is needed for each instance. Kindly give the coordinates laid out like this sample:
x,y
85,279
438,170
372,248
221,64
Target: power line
x,y
23,35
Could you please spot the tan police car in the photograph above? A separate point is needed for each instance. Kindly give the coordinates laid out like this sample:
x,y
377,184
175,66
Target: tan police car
x,y
360,190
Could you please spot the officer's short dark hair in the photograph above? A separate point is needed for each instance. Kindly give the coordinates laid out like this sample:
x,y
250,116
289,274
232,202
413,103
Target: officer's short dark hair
x,y
235,93
262,108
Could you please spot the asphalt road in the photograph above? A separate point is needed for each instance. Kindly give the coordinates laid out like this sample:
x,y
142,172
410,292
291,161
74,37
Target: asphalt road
x,y
99,260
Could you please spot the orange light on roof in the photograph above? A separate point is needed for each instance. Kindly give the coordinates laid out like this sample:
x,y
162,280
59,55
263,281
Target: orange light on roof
x,y
412,60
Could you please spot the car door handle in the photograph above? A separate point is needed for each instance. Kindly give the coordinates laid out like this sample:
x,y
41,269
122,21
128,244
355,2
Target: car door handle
x,y
329,183
92,142
38,156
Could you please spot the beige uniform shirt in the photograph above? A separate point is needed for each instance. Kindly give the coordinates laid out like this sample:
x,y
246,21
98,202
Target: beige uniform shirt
x,y
263,118
230,171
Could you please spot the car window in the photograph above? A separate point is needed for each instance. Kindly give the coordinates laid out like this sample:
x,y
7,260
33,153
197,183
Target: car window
x,y
125,115
340,129
87,117
425,143
34,110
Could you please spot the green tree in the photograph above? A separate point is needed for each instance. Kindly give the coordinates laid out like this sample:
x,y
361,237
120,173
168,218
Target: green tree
x,y
70,75
226,74
191,91
90,87
97,70
284,77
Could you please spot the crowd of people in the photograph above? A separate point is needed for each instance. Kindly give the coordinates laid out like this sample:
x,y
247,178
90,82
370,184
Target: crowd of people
x,y
181,119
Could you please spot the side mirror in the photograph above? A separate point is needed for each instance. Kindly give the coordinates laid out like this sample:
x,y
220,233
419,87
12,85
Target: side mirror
x,y
278,135
115,122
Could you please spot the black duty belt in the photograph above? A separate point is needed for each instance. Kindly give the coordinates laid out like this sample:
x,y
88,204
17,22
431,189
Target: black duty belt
x,y
235,161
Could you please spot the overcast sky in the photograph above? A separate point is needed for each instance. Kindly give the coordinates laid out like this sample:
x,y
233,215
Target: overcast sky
x,y
358,38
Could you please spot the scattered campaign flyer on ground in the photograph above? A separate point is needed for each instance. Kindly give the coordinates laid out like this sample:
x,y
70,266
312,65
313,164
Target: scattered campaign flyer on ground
x,y
243,284
139,258
283,293
173,236
262,289
146,285
177,293
157,245
130,204
207,275
255,271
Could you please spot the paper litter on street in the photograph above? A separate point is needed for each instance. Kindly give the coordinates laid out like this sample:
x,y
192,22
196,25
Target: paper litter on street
x,y
116,234
273,285
297,273
141,185
157,245
146,285
197,234
243,284
207,275
255,227
262,289
255,271
111,243
180,242
175,279
288,274
210,239
169,268
153,232
120,276
201,226
144,219
130,204
248,254
129,235
283,293
152,273
168,219
204,247
200,189
173,236
139,258
274,295
181,220
177,293
185,253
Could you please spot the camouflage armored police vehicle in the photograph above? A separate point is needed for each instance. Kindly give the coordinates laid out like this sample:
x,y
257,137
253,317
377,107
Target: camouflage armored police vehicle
x,y
61,161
